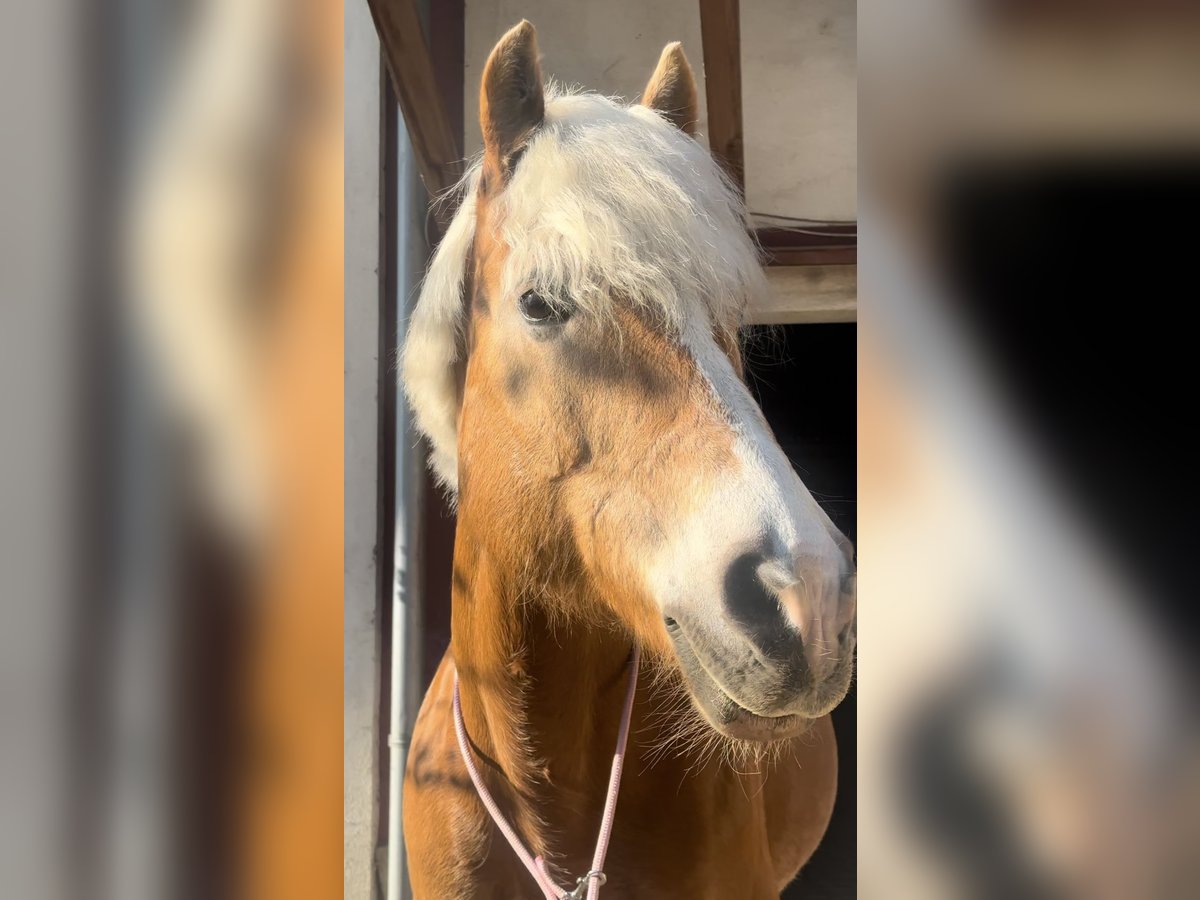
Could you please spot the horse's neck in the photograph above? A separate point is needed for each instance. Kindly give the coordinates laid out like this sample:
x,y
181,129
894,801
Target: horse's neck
x,y
541,697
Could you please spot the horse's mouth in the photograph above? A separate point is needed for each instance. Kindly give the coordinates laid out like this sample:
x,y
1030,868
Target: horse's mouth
x,y
735,721
732,719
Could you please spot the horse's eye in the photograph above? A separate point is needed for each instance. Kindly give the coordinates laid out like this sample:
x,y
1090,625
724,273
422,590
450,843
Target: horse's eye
x,y
536,308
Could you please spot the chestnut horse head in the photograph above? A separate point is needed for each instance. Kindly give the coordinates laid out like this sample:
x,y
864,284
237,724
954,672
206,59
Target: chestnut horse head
x,y
574,361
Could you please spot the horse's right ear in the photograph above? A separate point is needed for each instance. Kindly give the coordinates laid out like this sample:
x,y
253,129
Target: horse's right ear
x,y
512,100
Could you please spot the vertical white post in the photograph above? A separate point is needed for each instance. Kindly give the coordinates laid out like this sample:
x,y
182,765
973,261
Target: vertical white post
x,y
411,204
362,640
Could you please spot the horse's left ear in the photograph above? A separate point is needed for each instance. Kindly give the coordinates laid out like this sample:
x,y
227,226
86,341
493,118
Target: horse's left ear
x,y
671,90
512,101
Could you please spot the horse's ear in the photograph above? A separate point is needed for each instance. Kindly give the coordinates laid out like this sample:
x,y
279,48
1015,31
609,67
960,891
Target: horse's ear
x,y
671,90
511,98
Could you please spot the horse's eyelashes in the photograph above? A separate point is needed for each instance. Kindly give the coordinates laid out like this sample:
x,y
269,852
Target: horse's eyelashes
x,y
536,307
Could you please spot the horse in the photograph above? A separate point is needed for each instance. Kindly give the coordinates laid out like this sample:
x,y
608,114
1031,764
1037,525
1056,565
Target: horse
x,y
573,360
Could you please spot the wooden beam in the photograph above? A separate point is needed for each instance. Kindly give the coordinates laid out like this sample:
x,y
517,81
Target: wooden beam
x,y
808,295
720,33
816,245
411,67
448,47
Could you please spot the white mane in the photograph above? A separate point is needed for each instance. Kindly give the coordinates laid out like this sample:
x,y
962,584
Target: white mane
x,y
608,201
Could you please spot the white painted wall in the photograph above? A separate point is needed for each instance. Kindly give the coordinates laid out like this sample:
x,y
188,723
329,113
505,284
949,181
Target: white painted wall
x,y
361,763
800,107
799,81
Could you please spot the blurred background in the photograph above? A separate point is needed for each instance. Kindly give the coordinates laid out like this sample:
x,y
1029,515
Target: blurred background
x,y
1027,641
171,493
202,288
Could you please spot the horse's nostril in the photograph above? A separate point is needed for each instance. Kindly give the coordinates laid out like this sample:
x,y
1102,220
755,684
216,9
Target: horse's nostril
x,y
669,622
748,600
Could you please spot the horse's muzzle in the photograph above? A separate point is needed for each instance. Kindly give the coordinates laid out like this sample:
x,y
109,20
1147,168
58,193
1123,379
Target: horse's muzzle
x,y
782,653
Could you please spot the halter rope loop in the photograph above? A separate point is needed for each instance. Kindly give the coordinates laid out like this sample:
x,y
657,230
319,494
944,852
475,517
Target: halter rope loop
x,y
537,866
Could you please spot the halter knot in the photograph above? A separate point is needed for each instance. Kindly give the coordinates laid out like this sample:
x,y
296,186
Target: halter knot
x,y
583,882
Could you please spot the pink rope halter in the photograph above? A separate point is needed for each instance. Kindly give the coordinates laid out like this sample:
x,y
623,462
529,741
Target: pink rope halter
x,y
537,866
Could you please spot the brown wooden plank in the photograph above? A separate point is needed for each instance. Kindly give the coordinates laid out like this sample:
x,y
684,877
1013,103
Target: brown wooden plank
x,y
448,47
817,245
720,33
411,66
811,256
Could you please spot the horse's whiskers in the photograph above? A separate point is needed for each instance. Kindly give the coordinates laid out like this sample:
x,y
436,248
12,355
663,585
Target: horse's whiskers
x,y
677,729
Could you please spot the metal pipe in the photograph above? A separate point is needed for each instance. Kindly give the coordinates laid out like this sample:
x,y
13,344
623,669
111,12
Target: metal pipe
x,y
406,633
